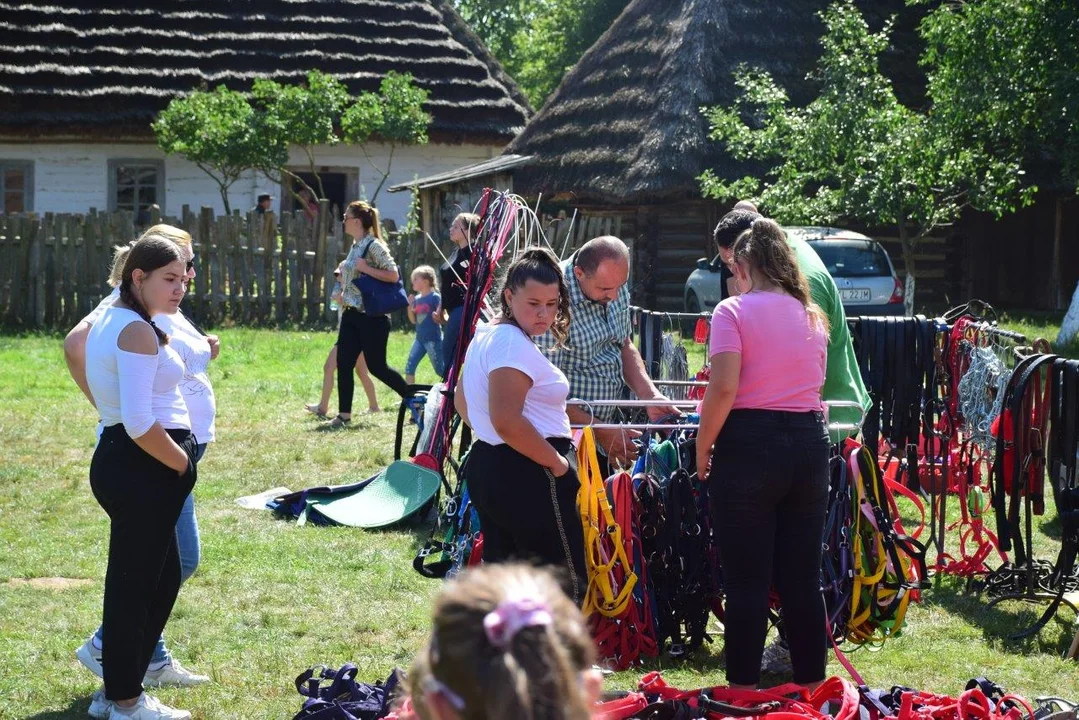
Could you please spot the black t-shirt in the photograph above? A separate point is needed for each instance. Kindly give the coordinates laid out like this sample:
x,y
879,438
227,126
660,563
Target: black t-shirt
x,y
453,290
724,275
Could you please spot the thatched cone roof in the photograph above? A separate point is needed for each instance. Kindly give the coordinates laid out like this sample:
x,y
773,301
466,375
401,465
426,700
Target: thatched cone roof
x,y
625,124
83,68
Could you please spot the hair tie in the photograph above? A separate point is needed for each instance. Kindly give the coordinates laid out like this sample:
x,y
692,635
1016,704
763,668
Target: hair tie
x,y
511,616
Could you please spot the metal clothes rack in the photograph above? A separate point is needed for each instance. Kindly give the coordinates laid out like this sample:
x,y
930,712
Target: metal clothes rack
x,y
692,404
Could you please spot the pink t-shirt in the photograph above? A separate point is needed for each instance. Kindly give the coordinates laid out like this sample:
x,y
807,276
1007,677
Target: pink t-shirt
x,y
783,351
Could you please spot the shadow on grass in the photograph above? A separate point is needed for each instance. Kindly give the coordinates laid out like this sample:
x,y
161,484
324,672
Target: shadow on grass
x,y
75,709
1052,528
999,622
706,664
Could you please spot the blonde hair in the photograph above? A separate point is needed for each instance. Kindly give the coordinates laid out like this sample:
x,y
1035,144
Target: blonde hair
x,y
764,247
427,272
161,231
368,215
533,675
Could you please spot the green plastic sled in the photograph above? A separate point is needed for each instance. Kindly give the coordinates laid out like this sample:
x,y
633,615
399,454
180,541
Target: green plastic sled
x,y
399,491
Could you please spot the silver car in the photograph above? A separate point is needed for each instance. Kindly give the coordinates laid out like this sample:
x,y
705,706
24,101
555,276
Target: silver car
x,y
861,268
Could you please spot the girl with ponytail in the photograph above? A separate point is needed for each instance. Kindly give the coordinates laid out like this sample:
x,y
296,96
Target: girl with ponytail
x,y
143,468
197,350
763,413
520,469
506,643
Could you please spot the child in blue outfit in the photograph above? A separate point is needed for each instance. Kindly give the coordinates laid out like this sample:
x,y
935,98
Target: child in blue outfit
x,y
423,311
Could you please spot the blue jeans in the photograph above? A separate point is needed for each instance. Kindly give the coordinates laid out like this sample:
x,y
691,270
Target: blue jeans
x,y
187,538
431,348
451,331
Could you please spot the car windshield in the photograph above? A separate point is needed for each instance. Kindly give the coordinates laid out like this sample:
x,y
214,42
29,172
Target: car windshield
x,y
843,260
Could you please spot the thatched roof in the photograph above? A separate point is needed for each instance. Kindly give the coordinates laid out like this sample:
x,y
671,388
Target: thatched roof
x,y
77,67
625,124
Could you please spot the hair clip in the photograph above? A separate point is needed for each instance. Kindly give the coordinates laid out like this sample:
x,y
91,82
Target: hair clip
x,y
511,616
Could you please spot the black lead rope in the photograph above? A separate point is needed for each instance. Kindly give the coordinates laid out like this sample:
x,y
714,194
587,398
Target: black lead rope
x,y
1028,578
1064,406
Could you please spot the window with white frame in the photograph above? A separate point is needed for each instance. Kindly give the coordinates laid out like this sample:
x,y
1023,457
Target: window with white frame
x,y
16,186
135,185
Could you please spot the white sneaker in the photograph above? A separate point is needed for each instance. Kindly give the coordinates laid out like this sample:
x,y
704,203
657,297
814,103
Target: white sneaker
x,y
90,657
173,673
100,706
147,708
777,659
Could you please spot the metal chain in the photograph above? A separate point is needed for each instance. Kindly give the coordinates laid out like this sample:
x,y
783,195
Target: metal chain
x,y
981,394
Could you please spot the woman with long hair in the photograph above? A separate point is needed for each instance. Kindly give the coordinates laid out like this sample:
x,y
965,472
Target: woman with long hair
x,y
196,350
768,482
360,331
520,468
143,468
454,277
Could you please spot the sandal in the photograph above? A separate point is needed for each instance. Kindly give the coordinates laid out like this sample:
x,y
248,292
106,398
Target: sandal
x,y
337,423
315,410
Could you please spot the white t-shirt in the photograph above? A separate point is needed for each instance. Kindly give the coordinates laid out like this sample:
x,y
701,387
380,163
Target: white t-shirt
x,y
506,346
131,388
194,351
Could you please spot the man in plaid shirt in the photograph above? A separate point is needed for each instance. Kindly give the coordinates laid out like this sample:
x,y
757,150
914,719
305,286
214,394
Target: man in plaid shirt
x,y
600,359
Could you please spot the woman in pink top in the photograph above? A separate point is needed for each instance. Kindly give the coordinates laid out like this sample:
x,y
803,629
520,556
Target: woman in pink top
x,y
768,477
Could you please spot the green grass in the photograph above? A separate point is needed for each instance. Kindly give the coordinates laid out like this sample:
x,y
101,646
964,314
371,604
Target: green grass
x,y
270,598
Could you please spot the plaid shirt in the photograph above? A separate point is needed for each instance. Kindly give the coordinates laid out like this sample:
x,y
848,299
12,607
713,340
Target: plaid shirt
x,y
592,356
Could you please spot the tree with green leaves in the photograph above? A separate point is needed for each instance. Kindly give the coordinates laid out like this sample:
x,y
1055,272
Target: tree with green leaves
x,y
1005,74
855,153
394,115
498,22
226,133
538,41
220,133
304,116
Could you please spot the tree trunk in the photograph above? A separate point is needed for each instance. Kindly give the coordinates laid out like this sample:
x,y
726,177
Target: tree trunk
x,y
908,266
1069,329
385,175
225,198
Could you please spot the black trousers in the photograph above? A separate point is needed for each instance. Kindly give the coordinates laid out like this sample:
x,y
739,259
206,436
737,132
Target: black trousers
x,y
369,335
143,498
768,490
526,513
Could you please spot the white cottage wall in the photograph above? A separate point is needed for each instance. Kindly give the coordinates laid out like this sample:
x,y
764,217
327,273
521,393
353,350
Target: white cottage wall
x,y
73,177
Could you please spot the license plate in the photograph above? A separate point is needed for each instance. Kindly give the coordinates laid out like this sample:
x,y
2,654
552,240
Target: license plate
x,y
855,295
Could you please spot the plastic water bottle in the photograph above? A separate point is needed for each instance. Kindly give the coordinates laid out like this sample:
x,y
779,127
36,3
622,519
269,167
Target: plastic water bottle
x,y
334,305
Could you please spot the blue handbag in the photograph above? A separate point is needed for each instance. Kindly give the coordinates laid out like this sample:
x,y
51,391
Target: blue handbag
x,y
380,297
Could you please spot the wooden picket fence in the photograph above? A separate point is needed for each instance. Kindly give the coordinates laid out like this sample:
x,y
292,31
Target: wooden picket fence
x,y
567,233
250,269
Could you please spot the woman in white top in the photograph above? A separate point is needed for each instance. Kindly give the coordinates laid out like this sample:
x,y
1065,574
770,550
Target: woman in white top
x,y
196,350
143,468
520,470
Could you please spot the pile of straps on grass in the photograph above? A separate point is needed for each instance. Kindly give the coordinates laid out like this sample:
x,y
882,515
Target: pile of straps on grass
x,y
335,695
